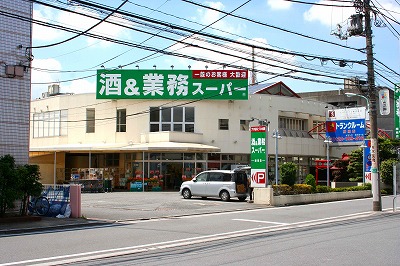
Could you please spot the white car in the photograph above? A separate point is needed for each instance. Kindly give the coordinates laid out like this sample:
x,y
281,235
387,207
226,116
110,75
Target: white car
x,y
225,184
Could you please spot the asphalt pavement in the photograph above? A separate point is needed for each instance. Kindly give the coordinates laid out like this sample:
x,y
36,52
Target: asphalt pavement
x,y
103,208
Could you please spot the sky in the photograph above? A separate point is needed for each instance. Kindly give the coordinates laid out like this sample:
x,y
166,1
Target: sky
x,y
292,38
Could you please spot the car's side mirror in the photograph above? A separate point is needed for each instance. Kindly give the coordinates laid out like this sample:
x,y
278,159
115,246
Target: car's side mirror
x,y
194,179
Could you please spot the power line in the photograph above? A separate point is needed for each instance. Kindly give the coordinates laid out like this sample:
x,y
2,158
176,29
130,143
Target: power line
x,y
271,26
79,34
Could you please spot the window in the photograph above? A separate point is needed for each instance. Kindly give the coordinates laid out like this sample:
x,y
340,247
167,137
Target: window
x,y
202,177
90,120
223,124
121,120
50,124
244,125
112,159
180,119
215,177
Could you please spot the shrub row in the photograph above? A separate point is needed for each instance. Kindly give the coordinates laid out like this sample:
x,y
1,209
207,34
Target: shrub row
x,y
307,189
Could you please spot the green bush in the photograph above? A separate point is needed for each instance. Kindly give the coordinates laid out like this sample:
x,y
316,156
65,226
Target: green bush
x,y
386,171
288,173
310,180
302,189
322,189
282,190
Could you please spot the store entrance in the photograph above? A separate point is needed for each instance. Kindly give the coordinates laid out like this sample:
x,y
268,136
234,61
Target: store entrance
x,y
173,176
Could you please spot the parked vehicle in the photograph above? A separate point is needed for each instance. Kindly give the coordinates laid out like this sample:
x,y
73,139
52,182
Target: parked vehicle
x,y
225,184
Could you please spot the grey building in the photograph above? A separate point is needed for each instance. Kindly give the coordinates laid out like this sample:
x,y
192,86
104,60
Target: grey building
x,y
15,78
339,99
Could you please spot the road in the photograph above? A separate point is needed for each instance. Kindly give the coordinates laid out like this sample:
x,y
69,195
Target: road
x,y
336,233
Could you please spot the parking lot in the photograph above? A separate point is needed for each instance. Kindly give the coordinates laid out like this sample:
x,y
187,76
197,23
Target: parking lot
x,y
118,206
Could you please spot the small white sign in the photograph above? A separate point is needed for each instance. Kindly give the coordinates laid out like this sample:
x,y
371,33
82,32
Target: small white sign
x,y
384,102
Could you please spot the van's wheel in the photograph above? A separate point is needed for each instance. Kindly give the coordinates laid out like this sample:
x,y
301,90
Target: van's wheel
x,y
186,193
224,195
242,198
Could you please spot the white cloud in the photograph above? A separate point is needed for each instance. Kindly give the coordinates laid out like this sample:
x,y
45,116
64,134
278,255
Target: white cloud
x,y
231,57
79,86
209,16
43,33
79,22
328,15
40,74
279,4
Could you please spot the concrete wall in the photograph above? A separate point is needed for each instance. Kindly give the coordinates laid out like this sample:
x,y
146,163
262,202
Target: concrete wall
x,y
265,196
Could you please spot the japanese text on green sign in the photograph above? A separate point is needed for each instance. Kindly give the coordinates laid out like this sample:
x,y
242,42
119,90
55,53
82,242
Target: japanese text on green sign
x,y
172,84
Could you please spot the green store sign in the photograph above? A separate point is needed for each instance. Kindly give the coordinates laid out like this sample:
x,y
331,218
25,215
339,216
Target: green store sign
x,y
172,84
258,147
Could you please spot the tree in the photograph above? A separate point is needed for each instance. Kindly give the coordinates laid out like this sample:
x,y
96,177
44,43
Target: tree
x,y
288,173
355,167
8,183
386,171
29,184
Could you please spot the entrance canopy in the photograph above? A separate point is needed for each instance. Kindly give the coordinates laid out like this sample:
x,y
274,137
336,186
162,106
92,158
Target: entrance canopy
x,y
121,147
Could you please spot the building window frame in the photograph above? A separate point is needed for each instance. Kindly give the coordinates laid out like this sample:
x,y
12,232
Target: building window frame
x,y
121,120
90,120
178,119
223,124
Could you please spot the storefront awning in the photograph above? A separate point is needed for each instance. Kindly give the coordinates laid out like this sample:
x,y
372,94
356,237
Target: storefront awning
x,y
102,147
171,146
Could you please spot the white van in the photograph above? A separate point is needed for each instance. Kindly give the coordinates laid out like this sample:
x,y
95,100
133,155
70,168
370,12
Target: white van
x,y
225,184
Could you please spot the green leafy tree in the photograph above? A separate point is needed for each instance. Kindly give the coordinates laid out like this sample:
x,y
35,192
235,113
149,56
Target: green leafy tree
x,y
388,149
8,183
355,167
288,173
29,184
386,171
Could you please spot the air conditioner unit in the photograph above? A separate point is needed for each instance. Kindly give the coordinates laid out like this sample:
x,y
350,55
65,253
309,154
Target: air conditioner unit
x,y
54,89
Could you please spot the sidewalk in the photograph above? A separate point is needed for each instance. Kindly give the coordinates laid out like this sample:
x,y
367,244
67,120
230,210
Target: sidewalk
x,y
105,208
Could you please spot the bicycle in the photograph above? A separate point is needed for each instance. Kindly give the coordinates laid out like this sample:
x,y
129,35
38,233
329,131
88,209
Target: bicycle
x,y
40,205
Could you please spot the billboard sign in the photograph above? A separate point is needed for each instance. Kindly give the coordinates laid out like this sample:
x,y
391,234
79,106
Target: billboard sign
x,y
345,125
172,84
258,155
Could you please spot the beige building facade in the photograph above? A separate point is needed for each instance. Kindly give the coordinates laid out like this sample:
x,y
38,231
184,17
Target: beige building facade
x,y
77,138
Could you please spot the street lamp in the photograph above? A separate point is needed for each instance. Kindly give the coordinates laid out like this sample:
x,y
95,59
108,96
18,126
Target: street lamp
x,y
277,137
351,94
327,141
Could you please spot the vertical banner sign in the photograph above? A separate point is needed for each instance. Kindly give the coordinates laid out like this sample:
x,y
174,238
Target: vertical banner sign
x,y
367,161
397,111
384,102
258,156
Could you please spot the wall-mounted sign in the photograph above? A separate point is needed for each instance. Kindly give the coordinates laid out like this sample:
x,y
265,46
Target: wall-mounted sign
x,y
346,125
172,84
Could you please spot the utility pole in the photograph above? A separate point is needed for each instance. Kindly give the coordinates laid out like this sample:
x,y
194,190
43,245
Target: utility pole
x,y
376,192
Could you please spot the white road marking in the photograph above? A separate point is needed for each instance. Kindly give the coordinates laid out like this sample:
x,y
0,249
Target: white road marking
x,y
59,260
258,221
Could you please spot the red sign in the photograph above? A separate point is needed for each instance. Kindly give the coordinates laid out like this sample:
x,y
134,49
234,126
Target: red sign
x,y
258,129
258,177
219,74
